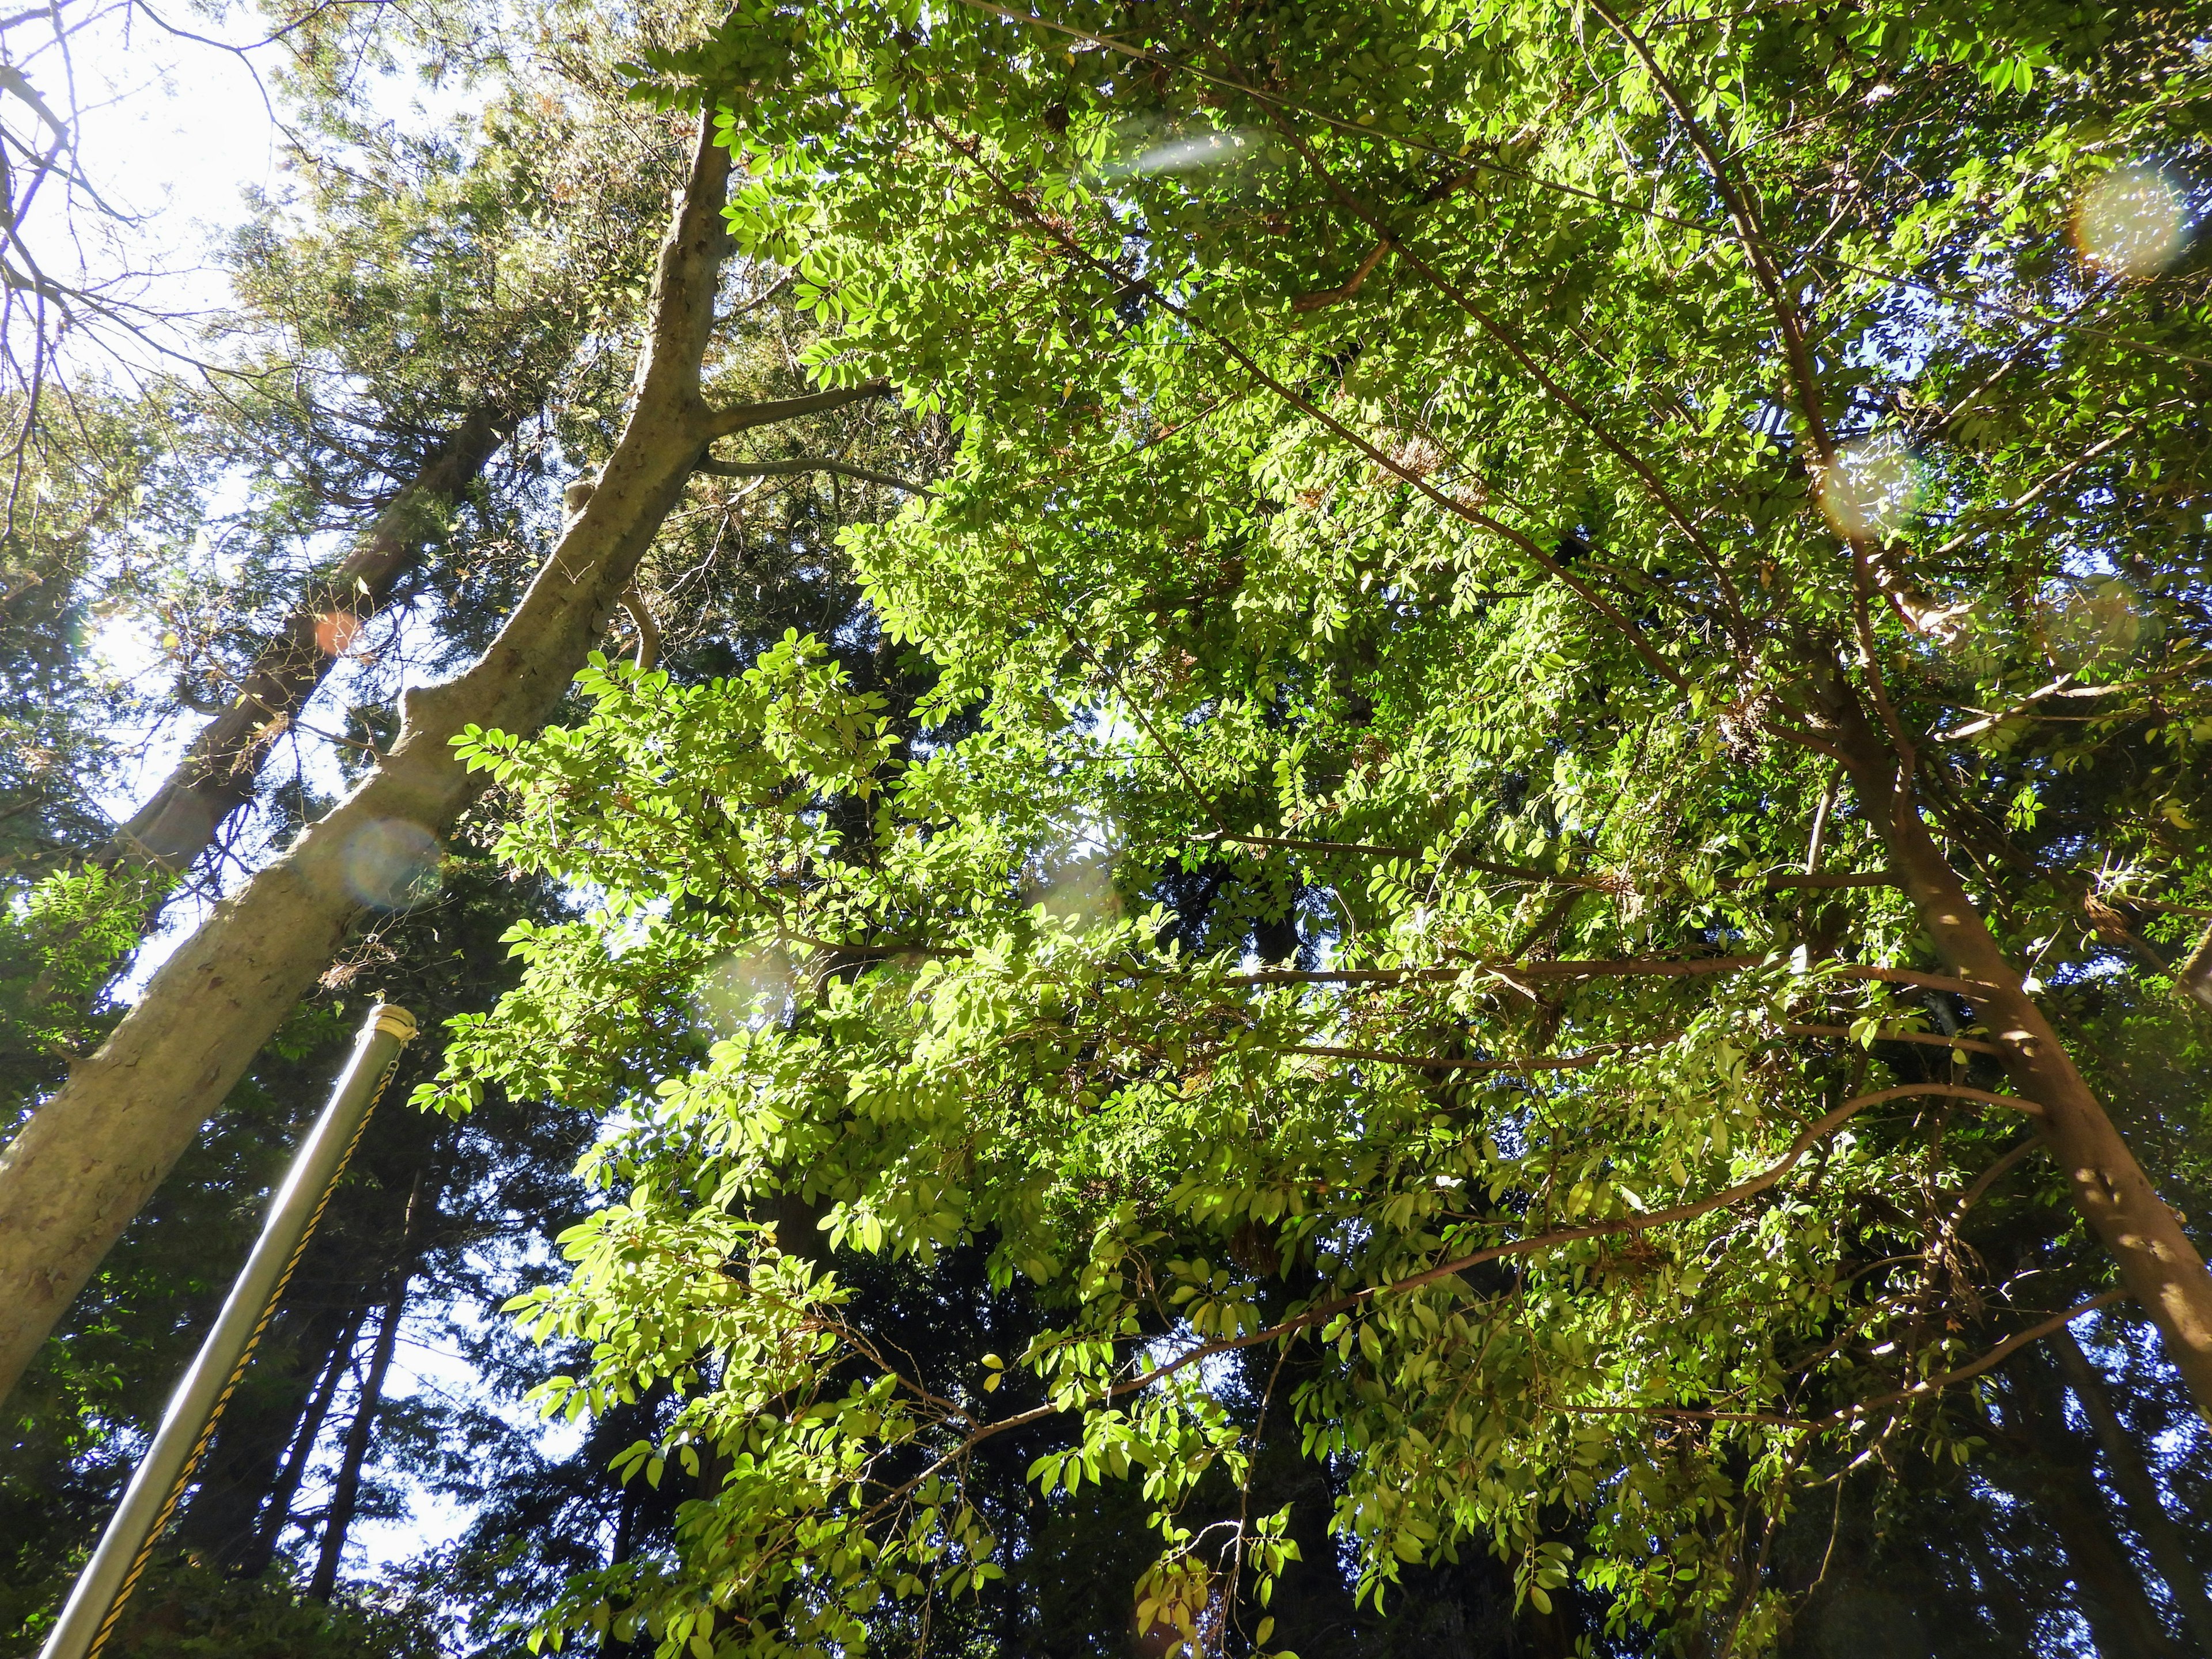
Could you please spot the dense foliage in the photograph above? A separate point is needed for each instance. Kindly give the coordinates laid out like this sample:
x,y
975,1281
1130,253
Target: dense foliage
x,y
1374,940
1469,521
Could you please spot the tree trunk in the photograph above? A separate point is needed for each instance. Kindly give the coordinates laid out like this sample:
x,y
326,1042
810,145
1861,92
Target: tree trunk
x,y
2158,1263
219,772
346,1493
625,1543
2138,1489
276,1511
2109,1593
222,1525
90,1157
2194,973
2062,1486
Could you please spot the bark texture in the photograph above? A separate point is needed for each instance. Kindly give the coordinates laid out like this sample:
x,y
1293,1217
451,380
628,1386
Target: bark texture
x,y
345,1493
260,1550
2194,976
2054,1475
2138,1489
2158,1262
218,773
94,1153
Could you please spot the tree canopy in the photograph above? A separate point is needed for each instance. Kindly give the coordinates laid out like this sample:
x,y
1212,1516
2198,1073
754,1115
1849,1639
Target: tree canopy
x,y
1471,886
1577,644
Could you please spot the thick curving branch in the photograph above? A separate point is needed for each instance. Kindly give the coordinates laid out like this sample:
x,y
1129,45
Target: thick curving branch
x,y
744,417
716,469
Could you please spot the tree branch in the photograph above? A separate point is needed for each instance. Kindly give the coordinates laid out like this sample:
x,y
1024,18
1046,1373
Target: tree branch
x,y
1933,1039
1775,881
1625,967
1331,296
1640,1223
717,469
1626,629
1749,233
1657,967
1643,1222
1552,1063
1514,348
1995,1356
724,422
2194,974
648,631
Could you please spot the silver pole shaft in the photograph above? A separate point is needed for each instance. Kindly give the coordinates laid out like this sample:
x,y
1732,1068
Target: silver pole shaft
x,y
139,1521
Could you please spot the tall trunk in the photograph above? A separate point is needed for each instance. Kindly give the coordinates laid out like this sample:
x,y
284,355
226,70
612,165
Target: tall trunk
x,y
2060,1483
346,1493
276,1511
259,1424
625,1543
91,1156
2158,1263
219,771
2146,1507
2109,1594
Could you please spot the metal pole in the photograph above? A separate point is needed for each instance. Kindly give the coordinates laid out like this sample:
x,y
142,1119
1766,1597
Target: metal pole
x,y
139,1521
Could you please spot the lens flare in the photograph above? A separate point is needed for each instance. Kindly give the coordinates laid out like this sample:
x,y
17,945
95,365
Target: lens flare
x,y
1190,153
336,631
2131,223
2096,626
749,991
1073,880
1872,488
390,864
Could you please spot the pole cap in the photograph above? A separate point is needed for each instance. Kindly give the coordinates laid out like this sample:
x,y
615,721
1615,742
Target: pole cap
x,y
391,1017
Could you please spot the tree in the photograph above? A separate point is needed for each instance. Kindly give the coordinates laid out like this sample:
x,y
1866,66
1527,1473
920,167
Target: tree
x,y
435,308
118,477
87,1160
67,279
1672,648
363,327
